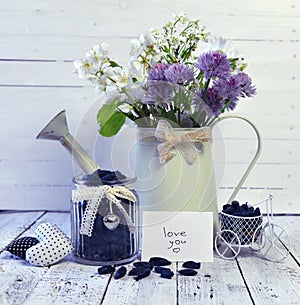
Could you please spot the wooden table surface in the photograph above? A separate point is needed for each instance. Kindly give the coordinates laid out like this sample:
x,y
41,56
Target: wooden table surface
x,y
248,279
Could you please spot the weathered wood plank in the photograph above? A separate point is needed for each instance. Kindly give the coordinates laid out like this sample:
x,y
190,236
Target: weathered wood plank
x,y
219,282
285,200
263,174
280,7
69,283
48,194
41,20
35,73
58,48
39,73
51,197
17,279
148,291
274,175
29,150
58,198
291,224
57,98
270,282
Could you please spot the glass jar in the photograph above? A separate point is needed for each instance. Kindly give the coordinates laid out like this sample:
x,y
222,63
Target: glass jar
x,y
105,228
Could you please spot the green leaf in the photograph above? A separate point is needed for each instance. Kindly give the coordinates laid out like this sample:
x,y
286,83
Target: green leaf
x,y
114,64
199,117
170,115
113,124
106,111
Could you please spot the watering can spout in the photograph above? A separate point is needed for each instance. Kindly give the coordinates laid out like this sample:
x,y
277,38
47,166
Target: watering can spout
x,y
57,130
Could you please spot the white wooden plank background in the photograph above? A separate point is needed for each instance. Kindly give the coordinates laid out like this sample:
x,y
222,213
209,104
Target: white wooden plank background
x,y
39,40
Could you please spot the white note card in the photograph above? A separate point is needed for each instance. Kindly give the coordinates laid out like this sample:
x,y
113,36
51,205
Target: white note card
x,y
178,236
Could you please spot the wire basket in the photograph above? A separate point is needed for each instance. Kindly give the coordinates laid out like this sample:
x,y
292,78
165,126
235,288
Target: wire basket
x,y
243,227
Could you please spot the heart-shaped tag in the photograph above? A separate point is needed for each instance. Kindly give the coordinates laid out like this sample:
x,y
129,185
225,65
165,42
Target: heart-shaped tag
x,y
111,221
54,246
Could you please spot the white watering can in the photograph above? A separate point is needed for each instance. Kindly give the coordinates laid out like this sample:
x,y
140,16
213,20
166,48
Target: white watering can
x,y
178,185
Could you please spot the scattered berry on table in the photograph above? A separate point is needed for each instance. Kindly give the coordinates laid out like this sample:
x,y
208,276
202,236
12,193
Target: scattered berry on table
x,y
191,265
159,261
106,269
143,265
143,269
142,273
167,274
187,272
135,271
120,273
159,269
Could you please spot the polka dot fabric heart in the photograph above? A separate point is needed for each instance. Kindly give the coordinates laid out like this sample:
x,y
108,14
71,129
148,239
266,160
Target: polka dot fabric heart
x,y
19,246
54,246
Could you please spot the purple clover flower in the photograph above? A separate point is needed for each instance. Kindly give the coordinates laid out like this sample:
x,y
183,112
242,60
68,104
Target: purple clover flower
x,y
245,83
229,90
159,92
179,74
213,102
157,72
238,85
214,64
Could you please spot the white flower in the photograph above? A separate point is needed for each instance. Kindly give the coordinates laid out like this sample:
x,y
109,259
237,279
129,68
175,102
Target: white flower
x,y
149,39
137,46
97,55
216,44
181,15
221,44
110,96
121,77
83,68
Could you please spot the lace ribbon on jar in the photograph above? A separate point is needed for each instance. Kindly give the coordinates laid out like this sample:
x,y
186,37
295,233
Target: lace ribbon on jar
x,y
94,197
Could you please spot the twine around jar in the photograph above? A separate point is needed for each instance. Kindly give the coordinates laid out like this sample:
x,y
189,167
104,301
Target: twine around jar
x,y
94,196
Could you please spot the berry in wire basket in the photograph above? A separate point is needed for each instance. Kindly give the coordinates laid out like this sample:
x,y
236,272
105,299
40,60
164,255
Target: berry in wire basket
x,y
244,210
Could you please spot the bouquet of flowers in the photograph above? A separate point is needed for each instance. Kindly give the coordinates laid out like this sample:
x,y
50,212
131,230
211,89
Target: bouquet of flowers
x,y
178,73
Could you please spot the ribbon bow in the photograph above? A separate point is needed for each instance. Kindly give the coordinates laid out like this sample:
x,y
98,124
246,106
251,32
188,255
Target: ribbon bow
x,y
184,144
94,196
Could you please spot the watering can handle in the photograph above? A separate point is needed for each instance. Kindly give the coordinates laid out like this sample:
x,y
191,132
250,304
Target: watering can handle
x,y
256,156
